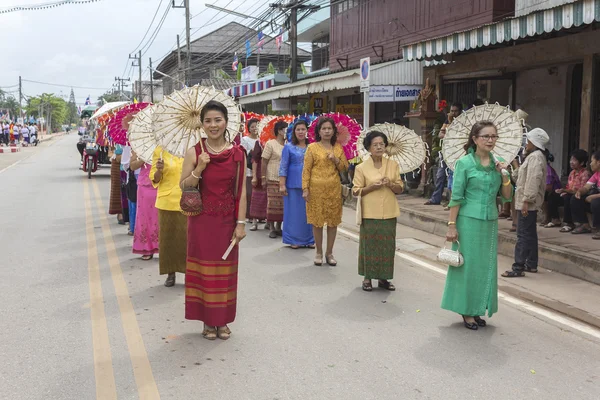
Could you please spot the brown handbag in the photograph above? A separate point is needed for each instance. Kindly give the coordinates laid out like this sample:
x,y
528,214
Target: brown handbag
x,y
191,199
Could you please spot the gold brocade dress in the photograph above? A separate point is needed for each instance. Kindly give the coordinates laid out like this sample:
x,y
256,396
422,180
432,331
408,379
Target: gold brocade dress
x,y
322,179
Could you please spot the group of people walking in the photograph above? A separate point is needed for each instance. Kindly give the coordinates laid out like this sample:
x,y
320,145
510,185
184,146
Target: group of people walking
x,y
12,134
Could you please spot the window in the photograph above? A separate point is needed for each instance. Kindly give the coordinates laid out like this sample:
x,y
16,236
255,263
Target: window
x,y
320,53
346,5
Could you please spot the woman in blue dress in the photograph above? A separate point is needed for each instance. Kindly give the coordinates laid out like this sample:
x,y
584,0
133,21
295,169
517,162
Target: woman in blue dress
x,y
296,231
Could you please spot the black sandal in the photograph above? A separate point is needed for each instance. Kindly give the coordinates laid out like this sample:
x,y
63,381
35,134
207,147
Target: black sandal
x,y
513,274
387,285
470,325
481,322
367,286
531,270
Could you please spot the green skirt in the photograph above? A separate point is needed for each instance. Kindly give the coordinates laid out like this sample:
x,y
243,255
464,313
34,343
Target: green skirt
x,y
472,289
377,248
172,242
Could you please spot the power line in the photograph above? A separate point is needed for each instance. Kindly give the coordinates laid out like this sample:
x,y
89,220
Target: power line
x,y
63,85
149,26
145,48
44,6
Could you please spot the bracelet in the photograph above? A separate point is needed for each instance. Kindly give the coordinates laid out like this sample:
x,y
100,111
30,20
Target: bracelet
x,y
507,183
197,177
241,222
451,223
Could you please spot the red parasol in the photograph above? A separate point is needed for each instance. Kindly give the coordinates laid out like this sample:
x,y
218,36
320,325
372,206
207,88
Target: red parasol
x,y
268,129
247,117
348,132
119,123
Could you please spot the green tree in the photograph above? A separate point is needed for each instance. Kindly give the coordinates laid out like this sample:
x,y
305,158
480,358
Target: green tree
x,y
223,74
109,97
239,71
73,117
54,108
8,102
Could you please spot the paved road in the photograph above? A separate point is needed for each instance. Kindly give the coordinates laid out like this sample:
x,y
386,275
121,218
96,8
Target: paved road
x,y
82,318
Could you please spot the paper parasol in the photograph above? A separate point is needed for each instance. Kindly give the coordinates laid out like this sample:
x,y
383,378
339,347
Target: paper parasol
x,y
118,125
348,132
309,118
108,107
176,120
247,117
510,132
266,127
404,146
141,135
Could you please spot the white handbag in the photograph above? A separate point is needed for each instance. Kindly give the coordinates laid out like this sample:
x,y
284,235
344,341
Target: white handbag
x,y
451,257
359,210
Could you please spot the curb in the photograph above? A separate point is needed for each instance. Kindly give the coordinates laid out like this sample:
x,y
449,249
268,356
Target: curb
x,y
9,150
522,294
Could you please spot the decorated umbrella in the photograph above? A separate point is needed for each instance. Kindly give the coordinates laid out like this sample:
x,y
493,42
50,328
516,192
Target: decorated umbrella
x,y
309,118
404,146
247,117
108,107
176,120
101,123
141,135
510,132
266,127
348,132
119,123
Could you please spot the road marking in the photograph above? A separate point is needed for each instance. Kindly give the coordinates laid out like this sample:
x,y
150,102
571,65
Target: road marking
x,y
142,369
501,295
103,367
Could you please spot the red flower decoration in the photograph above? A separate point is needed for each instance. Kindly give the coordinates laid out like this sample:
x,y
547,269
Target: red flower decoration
x,y
442,105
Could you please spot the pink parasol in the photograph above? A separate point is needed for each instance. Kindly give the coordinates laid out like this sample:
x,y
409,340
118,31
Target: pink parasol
x,y
348,132
117,128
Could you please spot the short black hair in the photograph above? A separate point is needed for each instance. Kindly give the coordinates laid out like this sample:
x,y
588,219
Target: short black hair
x,y
581,155
299,122
372,135
278,126
457,105
214,105
320,122
250,122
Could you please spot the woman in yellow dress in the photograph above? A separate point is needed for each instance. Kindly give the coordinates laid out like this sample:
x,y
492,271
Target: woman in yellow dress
x,y
322,186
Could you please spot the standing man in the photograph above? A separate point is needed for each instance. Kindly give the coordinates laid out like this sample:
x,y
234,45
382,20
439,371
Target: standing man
x,y
440,176
529,197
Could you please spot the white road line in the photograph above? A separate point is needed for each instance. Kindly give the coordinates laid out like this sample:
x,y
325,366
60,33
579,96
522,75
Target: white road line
x,y
556,317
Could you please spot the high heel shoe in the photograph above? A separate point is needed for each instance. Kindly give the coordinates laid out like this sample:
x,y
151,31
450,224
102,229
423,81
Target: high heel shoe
x,y
470,325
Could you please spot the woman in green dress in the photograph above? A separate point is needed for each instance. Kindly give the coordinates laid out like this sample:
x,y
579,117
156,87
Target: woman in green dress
x,y
473,288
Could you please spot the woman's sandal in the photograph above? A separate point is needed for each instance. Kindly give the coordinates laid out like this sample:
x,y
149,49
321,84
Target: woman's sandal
x,y
513,274
254,227
581,230
387,285
331,260
470,325
367,286
209,334
480,322
295,247
223,332
552,225
318,260
148,257
566,229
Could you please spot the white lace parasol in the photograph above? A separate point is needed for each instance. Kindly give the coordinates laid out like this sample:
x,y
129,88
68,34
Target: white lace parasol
x,y
510,132
176,120
404,146
141,135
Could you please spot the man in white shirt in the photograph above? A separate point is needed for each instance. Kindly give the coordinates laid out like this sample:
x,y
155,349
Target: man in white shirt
x,y
25,133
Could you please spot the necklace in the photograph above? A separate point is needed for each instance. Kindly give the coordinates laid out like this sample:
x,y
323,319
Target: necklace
x,y
215,151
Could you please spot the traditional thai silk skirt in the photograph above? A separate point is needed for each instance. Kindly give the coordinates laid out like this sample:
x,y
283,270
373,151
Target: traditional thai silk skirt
x,y
377,248
172,246
274,202
115,205
145,237
258,206
210,281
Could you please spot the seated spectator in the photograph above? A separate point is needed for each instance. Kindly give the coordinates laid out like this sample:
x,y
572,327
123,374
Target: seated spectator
x,y
552,185
587,200
562,197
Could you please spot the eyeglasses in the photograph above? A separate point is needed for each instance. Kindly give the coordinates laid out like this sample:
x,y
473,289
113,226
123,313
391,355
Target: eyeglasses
x,y
487,138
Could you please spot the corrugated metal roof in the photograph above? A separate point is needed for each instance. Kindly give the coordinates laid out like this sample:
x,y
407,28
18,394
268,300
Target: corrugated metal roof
x,y
536,23
396,72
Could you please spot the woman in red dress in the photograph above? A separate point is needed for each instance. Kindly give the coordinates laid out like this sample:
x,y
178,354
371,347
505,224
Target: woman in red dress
x,y
217,168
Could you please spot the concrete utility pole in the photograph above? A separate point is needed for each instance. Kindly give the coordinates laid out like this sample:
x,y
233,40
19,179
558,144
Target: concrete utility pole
x,y
137,58
178,59
121,82
188,55
141,97
151,81
20,98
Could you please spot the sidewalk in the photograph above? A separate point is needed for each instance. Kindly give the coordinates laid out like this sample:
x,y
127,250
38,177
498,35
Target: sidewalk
x,y
50,136
573,297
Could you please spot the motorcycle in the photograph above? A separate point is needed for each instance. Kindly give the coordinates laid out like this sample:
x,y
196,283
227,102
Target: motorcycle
x,y
90,158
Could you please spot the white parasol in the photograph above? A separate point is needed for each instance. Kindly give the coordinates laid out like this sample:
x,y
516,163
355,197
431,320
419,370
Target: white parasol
x,y
108,107
176,120
508,124
404,146
141,135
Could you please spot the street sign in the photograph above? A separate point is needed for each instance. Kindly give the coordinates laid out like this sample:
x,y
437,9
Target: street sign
x,y
365,74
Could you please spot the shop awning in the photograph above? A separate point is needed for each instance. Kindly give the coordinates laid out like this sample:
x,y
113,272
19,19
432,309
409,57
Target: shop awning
x,y
544,21
396,72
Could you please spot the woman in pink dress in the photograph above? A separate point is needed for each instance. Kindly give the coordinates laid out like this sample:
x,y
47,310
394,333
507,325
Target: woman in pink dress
x,y
145,236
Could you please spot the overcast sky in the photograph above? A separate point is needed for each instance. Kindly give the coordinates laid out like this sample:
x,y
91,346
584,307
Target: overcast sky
x,y
87,45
